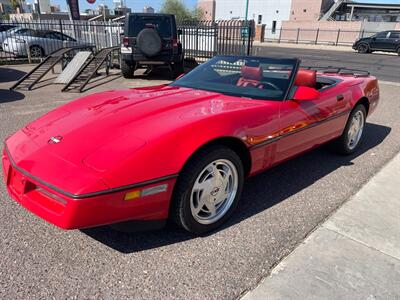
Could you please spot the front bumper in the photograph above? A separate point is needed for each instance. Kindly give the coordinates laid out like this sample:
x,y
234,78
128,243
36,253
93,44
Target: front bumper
x,y
70,213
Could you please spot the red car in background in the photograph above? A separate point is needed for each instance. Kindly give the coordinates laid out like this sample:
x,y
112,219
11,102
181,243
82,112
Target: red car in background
x,y
183,150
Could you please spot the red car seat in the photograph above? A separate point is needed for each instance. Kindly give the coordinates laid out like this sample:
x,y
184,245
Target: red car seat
x,y
251,76
306,78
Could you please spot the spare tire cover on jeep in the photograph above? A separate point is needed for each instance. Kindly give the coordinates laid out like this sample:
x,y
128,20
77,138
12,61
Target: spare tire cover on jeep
x,y
149,42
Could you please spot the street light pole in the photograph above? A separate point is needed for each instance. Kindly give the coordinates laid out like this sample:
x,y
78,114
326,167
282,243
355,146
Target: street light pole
x,y
245,28
247,11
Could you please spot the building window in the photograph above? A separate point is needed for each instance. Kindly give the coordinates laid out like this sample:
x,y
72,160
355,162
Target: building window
x,y
273,31
292,12
277,11
259,19
304,10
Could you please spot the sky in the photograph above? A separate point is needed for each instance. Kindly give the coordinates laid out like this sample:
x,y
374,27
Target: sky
x,y
137,5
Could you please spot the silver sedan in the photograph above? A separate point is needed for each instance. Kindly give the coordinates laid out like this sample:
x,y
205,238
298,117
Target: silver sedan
x,y
40,43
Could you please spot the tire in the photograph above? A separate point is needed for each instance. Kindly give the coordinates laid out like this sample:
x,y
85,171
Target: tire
x,y
127,70
149,42
188,190
36,51
343,144
178,68
363,48
398,51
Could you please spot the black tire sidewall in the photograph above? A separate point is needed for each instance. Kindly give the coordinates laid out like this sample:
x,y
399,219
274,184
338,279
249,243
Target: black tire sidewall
x,y
187,179
127,70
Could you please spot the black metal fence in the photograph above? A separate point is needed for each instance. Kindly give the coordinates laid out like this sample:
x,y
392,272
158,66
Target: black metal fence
x,y
317,36
30,41
203,40
33,40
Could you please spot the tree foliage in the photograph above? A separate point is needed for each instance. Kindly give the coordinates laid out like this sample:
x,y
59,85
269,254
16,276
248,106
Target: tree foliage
x,y
181,12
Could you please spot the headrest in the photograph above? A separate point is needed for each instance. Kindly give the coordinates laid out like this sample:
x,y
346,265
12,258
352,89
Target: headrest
x,y
252,73
306,78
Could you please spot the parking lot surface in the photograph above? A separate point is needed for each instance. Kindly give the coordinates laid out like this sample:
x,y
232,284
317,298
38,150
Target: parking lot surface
x,y
279,208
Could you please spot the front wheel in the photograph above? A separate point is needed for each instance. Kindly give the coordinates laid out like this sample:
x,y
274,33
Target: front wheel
x,y
208,190
398,51
352,135
363,48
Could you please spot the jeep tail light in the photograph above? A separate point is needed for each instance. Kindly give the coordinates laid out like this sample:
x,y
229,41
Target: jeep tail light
x,y
125,41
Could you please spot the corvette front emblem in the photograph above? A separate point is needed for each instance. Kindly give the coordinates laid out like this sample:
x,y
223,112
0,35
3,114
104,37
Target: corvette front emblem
x,y
55,139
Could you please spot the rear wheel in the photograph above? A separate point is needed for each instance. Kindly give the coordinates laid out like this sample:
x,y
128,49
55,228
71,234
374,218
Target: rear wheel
x,y
363,48
36,51
127,70
208,190
352,135
178,68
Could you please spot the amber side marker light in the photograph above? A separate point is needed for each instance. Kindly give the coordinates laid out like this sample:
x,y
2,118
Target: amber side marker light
x,y
145,192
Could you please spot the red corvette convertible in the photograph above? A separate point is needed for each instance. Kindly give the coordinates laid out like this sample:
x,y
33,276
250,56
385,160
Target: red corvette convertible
x,y
182,151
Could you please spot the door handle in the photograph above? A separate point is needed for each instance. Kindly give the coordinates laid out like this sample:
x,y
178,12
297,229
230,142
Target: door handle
x,y
339,97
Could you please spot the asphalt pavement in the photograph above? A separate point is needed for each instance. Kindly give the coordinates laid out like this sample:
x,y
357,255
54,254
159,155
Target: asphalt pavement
x,y
385,66
279,208
355,254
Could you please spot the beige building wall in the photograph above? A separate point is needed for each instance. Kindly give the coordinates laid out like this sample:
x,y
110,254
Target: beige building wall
x,y
327,31
208,8
308,10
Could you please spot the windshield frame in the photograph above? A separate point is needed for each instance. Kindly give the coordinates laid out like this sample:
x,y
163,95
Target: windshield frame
x,y
294,61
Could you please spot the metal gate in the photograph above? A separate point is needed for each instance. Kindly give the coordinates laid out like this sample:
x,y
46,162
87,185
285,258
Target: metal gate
x,y
203,40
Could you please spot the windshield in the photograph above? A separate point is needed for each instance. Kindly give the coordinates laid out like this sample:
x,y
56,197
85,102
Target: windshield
x,y
251,77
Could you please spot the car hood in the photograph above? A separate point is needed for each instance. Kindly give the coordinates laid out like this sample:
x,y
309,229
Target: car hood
x,y
97,131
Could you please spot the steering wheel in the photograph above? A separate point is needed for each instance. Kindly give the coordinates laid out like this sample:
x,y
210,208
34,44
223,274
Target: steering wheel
x,y
271,85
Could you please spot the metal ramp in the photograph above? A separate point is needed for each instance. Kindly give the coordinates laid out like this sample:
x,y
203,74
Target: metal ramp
x,y
37,73
73,67
89,70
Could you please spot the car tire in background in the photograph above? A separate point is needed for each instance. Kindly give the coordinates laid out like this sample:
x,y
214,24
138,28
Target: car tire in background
x,y
127,70
149,42
208,189
352,135
363,48
36,51
178,68
398,51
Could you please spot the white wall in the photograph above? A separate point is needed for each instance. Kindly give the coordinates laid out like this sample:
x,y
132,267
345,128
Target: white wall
x,y
44,6
270,10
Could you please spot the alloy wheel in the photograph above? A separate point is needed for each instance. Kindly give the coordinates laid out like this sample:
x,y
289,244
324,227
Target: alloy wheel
x,y
355,130
36,52
214,191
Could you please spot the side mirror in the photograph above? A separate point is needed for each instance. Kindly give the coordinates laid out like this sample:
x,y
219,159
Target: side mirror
x,y
179,31
305,93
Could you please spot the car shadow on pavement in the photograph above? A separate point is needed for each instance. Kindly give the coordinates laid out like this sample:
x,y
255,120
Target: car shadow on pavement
x,y
260,193
10,96
8,74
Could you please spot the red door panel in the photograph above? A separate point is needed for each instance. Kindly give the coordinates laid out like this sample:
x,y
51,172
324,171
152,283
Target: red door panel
x,y
307,124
